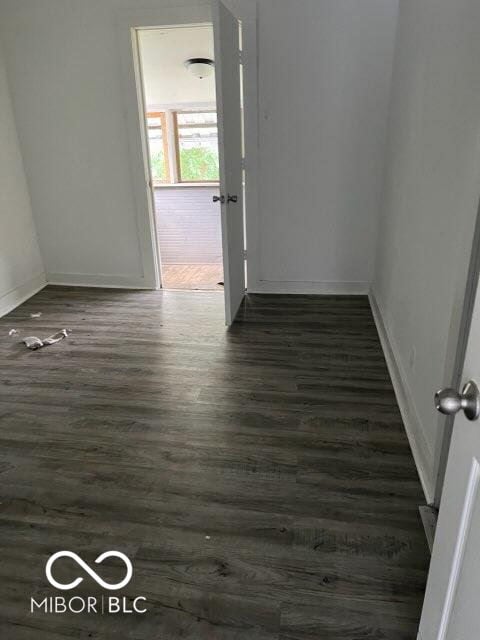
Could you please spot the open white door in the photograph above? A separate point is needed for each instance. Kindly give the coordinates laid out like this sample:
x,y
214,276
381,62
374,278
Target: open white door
x,y
451,609
227,73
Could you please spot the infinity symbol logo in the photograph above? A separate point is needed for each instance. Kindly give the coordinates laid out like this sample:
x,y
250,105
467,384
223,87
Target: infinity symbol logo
x,y
87,569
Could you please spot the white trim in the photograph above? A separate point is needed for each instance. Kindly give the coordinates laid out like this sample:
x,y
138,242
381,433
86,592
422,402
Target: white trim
x,y
422,454
309,287
15,297
106,281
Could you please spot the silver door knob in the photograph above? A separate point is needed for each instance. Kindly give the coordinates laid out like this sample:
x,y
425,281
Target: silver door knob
x,y
220,199
449,401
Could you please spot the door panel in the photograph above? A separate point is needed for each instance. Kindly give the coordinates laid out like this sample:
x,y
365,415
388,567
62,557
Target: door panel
x,y
227,73
452,608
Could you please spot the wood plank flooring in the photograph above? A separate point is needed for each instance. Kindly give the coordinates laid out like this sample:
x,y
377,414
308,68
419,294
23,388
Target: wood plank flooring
x,y
192,276
259,478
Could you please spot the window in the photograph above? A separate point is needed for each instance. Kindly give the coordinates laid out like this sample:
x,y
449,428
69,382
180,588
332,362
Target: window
x,y
197,146
158,144
193,156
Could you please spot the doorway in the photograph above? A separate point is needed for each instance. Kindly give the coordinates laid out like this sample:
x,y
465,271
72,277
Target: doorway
x,y
180,113
234,172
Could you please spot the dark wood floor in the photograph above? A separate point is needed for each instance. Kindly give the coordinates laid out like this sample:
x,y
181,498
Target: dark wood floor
x,y
259,478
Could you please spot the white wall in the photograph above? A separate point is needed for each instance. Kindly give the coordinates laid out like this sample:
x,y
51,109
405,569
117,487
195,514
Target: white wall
x,y
163,53
64,72
21,268
429,204
324,76
324,80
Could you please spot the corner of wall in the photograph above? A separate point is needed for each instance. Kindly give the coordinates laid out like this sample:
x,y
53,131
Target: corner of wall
x,y
22,269
422,454
15,297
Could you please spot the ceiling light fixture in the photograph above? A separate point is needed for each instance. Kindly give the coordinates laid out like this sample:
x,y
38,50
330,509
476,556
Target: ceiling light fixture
x,y
200,67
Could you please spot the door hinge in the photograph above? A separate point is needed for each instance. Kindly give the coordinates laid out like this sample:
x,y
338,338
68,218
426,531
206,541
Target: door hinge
x,y
240,56
243,164
244,254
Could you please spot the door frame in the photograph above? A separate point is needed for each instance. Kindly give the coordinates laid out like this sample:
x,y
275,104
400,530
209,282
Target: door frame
x,y
145,144
172,14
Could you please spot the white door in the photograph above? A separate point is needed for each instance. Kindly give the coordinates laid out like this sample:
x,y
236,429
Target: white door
x,y
451,609
227,73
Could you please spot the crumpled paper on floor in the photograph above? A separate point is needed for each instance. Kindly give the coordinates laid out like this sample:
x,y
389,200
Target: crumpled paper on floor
x,y
33,343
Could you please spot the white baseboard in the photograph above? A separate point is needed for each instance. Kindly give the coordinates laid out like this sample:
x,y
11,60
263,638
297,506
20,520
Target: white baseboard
x,y
98,280
13,298
306,287
422,454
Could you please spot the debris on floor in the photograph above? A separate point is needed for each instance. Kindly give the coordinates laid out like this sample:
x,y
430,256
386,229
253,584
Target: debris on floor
x,y
13,332
56,337
33,343
38,314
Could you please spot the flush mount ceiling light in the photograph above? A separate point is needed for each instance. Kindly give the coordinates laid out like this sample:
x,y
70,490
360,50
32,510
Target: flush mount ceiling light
x,y
200,67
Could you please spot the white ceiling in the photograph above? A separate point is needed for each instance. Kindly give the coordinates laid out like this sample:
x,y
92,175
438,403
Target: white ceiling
x,y
163,53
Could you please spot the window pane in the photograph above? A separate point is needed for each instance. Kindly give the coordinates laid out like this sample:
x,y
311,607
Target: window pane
x,y
154,121
198,146
158,161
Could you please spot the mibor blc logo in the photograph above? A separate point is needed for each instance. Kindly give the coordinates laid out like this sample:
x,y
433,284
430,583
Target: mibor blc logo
x,y
87,569
88,604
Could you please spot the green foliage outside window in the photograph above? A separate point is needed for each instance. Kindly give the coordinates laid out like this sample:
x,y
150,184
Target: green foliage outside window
x,y
198,164
157,162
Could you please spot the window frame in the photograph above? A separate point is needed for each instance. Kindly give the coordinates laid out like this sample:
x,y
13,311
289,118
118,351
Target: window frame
x,y
176,137
163,127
